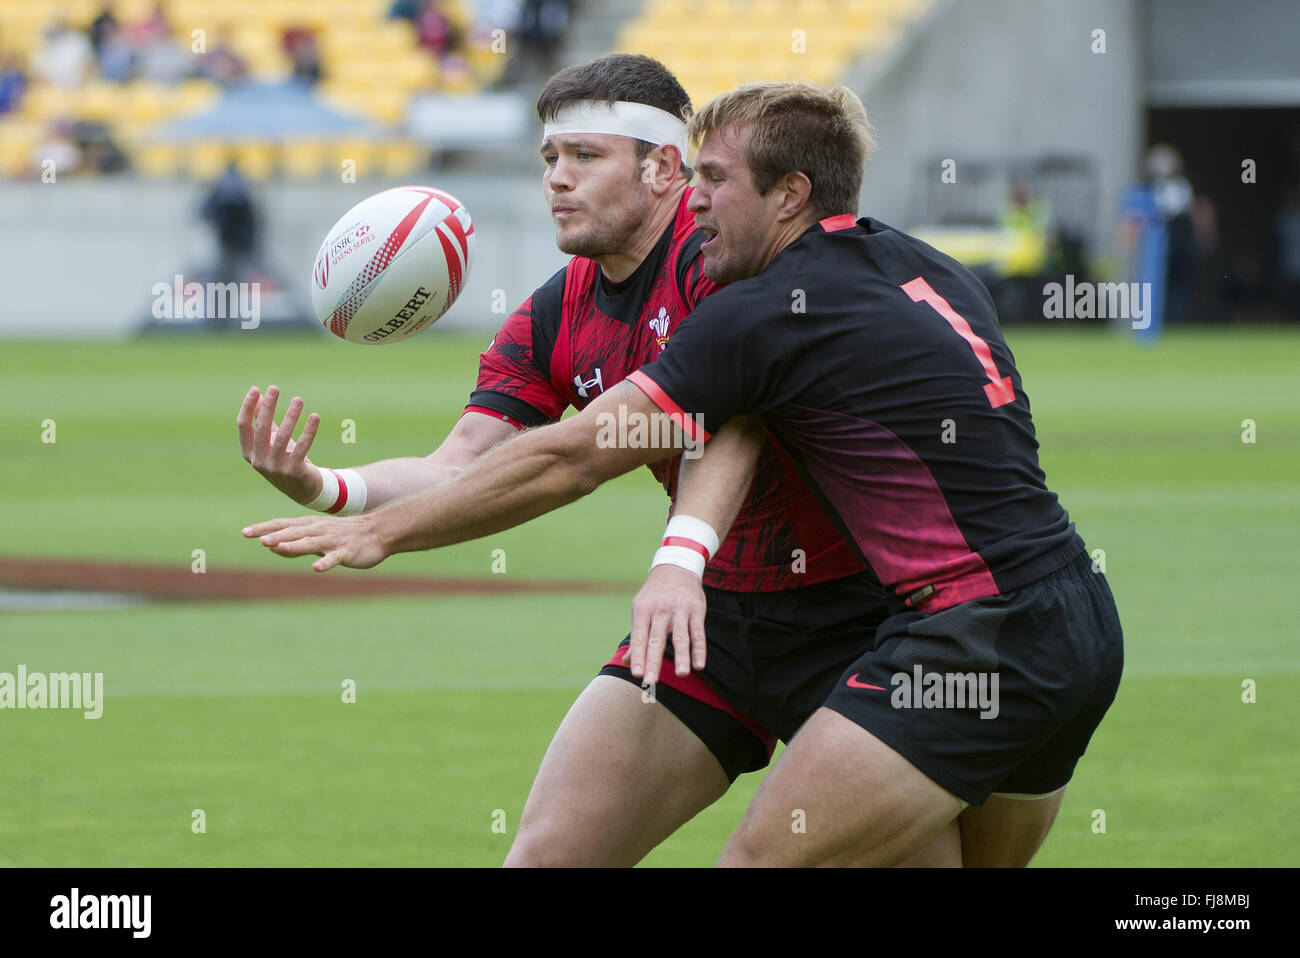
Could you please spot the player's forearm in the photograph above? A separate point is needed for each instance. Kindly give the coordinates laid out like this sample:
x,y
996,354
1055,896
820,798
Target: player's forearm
x,y
523,480
391,479
713,487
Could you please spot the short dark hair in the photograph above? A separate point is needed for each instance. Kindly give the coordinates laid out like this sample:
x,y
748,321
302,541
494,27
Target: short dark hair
x,y
609,79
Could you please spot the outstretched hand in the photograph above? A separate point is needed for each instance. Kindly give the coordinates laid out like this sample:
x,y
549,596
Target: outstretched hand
x,y
270,449
671,602
350,541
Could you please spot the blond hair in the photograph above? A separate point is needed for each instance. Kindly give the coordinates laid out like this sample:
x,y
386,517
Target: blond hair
x,y
822,132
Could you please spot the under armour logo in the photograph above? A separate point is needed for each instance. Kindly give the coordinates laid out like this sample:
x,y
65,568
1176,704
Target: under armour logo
x,y
595,385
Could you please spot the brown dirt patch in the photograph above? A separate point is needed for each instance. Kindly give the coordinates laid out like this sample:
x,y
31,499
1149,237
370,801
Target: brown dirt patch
x,y
169,582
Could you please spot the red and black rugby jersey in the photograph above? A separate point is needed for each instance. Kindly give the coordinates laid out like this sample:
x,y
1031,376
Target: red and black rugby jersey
x,y
579,334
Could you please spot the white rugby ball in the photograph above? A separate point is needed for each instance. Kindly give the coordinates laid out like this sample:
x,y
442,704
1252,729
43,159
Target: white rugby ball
x,y
392,265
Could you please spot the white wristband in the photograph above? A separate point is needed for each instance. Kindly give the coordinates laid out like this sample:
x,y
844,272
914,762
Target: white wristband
x,y
688,543
343,493
329,491
697,530
683,558
352,493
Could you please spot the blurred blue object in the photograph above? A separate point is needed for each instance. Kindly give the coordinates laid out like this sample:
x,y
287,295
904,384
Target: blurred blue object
x,y
273,111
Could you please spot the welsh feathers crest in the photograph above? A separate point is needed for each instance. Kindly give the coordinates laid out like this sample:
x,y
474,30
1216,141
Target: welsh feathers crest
x,y
659,326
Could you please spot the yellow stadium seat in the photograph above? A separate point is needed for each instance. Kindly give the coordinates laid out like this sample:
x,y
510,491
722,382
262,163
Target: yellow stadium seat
x,y
195,95
360,155
18,141
144,104
205,160
99,100
156,160
418,71
302,159
128,11
386,105
256,159
401,158
45,102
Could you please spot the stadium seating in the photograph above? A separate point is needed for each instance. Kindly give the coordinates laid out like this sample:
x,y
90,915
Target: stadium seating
x,y
370,66
713,45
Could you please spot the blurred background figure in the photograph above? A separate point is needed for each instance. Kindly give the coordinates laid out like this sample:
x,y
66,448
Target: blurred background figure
x,y
158,57
101,28
221,62
542,27
436,32
116,54
150,28
1165,236
230,210
99,151
60,146
13,82
300,47
1288,246
405,10
65,56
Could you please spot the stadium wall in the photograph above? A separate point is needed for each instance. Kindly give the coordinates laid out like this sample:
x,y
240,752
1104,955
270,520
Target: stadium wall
x,y
1006,78
81,257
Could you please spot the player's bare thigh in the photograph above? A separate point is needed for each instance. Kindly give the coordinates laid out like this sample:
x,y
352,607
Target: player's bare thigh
x,y
941,851
840,796
620,776
1007,832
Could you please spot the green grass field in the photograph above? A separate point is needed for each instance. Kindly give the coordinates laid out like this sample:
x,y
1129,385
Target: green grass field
x,y
235,708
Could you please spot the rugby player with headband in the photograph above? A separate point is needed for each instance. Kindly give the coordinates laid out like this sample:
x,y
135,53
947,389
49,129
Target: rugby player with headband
x,y
623,774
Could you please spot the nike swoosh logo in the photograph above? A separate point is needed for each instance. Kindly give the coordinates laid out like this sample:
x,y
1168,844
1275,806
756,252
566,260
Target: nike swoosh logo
x,y
855,684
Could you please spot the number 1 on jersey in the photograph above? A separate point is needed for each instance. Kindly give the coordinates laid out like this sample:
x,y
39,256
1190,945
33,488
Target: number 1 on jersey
x,y
999,388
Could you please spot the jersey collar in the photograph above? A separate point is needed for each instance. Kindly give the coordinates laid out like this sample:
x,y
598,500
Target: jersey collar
x,y
833,224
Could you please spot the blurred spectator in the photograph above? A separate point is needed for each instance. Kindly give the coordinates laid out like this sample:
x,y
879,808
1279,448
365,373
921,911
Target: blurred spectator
x,y
300,45
229,207
1166,233
1288,251
221,63
542,25
116,55
60,146
99,154
151,29
158,58
405,10
101,27
489,17
457,77
437,35
65,56
492,15
12,82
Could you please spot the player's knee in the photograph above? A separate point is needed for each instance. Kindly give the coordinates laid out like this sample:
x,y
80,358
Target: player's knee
x,y
744,850
549,844
534,849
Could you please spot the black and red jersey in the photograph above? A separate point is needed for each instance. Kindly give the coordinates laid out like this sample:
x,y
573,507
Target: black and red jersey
x,y
579,334
878,362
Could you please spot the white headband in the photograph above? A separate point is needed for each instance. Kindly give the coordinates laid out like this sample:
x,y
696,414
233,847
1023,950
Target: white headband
x,y
637,120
